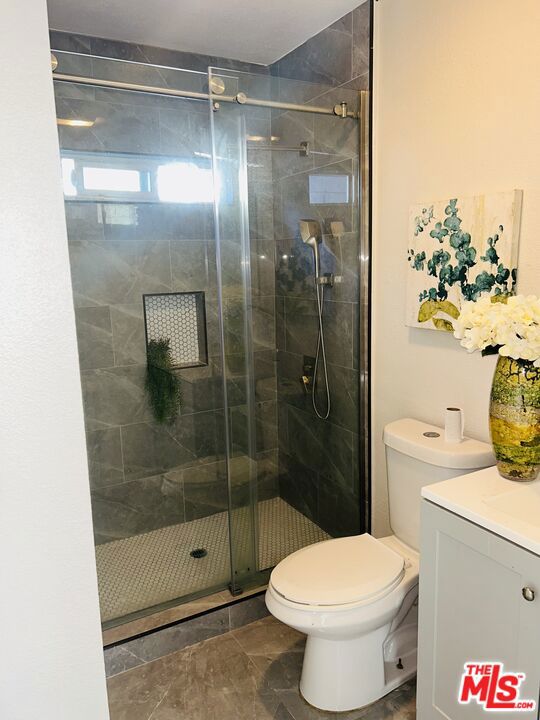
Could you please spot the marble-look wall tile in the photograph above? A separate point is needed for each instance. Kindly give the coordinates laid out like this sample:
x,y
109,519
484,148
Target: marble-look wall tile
x,y
105,462
129,341
202,433
267,474
205,489
298,485
83,221
318,461
263,322
131,508
361,39
290,368
260,207
117,127
118,272
339,508
302,328
94,337
265,375
70,42
161,221
202,387
296,202
263,267
265,427
342,254
114,397
345,383
294,268
147,54
325,58
183,132
150,449
292,128
193,265
336,141
322,446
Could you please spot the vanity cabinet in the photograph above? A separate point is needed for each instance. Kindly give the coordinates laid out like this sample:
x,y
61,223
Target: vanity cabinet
x,y
479,602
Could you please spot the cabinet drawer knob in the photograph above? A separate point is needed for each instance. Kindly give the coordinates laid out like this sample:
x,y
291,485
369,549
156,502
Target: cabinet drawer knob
x,y
528,594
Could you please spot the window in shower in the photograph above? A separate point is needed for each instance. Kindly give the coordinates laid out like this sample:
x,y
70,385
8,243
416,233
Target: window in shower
x,y
98,176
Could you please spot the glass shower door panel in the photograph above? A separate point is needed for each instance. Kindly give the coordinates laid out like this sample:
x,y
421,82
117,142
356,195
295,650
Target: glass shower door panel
x,y
138,187
234,268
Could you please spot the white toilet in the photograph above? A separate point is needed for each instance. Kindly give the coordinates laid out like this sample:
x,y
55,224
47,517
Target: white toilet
x,y
356,597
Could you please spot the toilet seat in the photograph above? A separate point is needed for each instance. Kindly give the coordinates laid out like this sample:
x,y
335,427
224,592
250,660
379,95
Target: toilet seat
x,y
338,572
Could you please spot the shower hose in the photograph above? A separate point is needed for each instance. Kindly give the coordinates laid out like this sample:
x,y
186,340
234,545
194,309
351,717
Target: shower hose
x,y
320,355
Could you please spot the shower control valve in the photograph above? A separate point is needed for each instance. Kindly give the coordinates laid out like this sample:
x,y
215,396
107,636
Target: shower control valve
x,y
308,367
326,279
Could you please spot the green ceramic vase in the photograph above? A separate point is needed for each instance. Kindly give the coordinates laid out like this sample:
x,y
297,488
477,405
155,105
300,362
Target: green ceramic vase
x,y
514,418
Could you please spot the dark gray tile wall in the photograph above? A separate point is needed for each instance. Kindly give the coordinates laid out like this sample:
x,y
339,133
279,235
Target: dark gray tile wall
x,y
144,475
338,55
318,460
119,50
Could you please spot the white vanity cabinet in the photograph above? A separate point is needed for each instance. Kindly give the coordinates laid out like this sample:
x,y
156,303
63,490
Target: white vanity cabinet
x,y
479,602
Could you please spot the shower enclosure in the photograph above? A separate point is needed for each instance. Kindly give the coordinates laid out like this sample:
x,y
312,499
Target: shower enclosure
x,y
184,193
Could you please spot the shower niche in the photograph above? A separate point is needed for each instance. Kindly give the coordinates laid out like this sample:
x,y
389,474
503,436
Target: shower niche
x,y
179,318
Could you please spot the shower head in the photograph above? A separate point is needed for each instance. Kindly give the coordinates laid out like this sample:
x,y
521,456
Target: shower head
x,y
310,232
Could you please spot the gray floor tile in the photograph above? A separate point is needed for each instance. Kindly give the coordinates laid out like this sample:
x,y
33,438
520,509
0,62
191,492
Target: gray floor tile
x,y
248,674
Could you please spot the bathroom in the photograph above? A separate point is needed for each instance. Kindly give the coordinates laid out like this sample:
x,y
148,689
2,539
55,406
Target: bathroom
x,y
230,420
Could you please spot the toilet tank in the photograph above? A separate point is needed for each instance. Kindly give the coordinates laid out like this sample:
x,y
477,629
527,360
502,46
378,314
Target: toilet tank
x,y
417,455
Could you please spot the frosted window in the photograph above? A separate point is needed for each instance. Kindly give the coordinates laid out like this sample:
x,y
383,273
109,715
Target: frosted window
x,y
328,189
112,179
184,182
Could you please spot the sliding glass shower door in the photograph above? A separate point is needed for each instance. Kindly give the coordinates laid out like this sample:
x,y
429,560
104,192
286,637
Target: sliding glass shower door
x,y
294,478
196,319
234,273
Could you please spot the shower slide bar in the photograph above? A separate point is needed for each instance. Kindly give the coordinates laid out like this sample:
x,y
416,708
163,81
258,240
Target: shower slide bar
x,y
339,110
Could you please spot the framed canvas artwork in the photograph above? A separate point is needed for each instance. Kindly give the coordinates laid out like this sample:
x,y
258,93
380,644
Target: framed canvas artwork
x,y
460,249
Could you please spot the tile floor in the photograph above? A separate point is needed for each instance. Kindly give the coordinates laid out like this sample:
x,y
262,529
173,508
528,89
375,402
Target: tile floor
x,y
155,567
251,673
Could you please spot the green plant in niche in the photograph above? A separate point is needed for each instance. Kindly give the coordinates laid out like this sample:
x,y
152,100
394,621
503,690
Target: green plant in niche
x,y
162,384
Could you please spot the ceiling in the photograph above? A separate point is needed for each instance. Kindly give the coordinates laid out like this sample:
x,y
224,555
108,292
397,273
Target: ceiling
x,y
258,31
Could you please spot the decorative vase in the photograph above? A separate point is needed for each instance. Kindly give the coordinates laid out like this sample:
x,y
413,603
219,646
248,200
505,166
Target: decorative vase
x,y
514,418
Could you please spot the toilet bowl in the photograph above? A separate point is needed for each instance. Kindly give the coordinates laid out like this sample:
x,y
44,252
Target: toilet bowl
x,y
356,598
345,595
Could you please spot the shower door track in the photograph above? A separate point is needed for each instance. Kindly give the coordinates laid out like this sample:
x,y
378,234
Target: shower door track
x,y
240,98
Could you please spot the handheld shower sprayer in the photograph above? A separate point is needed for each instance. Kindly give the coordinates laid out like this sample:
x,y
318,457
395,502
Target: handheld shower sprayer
x,y
310,232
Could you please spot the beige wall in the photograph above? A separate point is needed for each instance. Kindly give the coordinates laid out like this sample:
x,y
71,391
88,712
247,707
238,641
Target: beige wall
x,y
51,662
457,110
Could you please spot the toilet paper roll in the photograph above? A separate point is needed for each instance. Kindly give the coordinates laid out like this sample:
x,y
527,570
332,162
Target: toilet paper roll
x,y
453,425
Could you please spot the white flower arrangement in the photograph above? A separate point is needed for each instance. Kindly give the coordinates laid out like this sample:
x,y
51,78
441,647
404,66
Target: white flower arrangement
x,y
510,327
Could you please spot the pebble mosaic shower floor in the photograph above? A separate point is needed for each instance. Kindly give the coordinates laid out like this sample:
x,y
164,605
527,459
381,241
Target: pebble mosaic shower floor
x,y
156,567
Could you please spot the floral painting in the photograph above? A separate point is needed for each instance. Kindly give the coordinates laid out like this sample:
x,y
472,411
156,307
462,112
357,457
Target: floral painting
x,y
460,249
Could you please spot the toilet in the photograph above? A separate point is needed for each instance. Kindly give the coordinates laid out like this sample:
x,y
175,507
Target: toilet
x,y
356,598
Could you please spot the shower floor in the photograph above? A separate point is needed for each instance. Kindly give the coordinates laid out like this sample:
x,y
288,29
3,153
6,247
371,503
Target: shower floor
x,y
156,567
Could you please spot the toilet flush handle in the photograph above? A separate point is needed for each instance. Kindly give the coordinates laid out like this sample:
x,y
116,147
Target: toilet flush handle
x,y
528,593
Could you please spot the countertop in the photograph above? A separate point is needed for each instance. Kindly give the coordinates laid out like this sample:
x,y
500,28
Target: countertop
x,y
509,509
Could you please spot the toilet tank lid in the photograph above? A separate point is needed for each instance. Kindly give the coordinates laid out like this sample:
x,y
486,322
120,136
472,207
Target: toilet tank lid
x,y
409,437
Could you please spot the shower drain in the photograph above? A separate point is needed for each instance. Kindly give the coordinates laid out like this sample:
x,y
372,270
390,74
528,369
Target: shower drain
x,y
199,553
